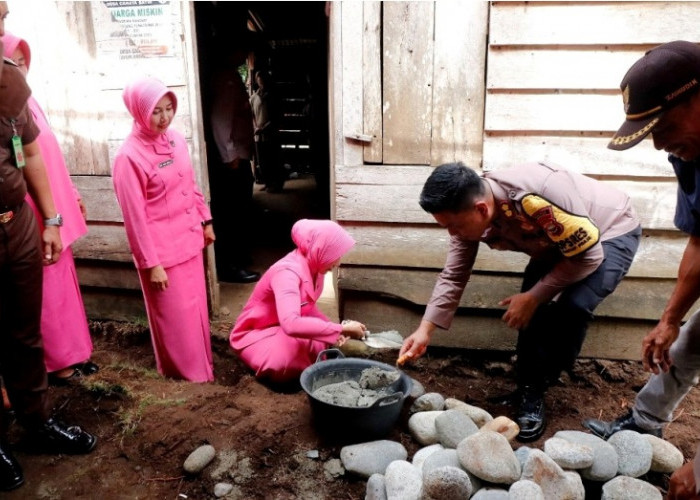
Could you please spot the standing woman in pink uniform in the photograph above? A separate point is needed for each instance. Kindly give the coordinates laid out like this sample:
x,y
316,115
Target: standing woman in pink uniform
x,y
168,224
64,326
281,330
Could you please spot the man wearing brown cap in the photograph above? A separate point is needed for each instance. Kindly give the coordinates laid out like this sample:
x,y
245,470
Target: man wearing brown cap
x,y
21,253
661,98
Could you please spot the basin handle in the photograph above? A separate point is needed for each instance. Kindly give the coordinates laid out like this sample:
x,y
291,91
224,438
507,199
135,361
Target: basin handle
x,y
329,354
388,400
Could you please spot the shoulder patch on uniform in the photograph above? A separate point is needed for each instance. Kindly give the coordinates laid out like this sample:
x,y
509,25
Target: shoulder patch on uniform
x,y
573,234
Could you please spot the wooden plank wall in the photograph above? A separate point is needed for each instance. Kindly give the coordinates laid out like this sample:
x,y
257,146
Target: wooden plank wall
x,y
551,72
80,90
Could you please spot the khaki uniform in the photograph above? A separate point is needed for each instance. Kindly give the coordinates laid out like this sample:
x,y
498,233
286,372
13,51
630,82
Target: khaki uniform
x,y
581,235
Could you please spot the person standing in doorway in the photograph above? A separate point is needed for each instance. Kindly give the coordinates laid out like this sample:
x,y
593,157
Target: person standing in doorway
x,y
232,175
64,326
266,121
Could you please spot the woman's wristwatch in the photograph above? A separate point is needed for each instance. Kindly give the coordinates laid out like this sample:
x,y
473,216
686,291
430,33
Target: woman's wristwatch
x,y
54,221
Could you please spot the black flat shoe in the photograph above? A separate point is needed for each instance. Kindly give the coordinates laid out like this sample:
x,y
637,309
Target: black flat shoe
x,y
604,429
57,381
11,475
56,437
239,275
88,368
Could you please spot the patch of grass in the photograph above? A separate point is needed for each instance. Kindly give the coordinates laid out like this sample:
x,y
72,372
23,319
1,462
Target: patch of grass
x,y
102,388
145,372
130,418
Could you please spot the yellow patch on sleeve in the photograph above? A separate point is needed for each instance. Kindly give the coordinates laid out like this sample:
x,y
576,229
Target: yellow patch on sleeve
x,y
573,234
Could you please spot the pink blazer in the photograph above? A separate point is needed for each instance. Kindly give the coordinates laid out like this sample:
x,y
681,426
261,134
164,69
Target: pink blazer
x,y
285,298
162,206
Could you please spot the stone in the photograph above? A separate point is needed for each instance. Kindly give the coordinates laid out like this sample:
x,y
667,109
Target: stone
x,y
199,459
569,455
525,490
421,425
665,457
554,481
453,426
431,401
420,456
503,425
634,453
488,456
446,483
403,481
478,415
365,459
222,489
376,488
605,457
629,488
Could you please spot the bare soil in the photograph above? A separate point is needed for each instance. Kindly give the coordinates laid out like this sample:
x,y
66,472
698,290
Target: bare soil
x,y
148,425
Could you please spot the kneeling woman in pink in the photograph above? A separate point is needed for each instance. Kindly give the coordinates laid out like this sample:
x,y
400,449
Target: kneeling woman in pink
x,y
281,330
168,224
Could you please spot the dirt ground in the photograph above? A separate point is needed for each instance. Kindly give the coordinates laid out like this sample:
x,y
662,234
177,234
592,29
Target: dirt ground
x,y
148,425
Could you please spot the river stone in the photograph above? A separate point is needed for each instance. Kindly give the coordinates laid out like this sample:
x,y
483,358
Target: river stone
x,y
491,494
448,457
222,489
199,459
605,458
553,480
478,415
403,481
452,426
420,456
634,453
417,389
376,488
524,451
567,454
629,488
525,490
488,456
502,425
365,459
421,425
665,457
432,401
446,483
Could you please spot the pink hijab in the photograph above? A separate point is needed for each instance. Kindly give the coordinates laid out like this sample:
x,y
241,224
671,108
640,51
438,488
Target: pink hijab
x,y
140,98
12,42
321,242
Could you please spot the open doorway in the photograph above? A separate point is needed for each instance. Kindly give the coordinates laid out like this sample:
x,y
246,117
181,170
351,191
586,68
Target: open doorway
x,y
288,42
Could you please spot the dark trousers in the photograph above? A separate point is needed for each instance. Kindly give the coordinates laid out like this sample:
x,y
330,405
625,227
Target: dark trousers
x,y
271,169
232,210
21,349
552,341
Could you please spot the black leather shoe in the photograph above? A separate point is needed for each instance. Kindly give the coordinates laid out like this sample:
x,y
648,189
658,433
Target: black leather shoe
x,y
531,416
604,429
56,437
11,475
239,275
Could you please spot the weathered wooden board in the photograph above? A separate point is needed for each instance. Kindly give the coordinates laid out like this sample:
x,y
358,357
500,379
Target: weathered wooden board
x,y
586,155
610,339
407,81
116,305
117,275
390,194
351,83
98,196
592,23
458,82
637,298
425,246
553,112
559,68
372,80
103,242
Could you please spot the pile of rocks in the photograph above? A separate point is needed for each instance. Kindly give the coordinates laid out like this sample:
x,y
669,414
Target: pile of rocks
x,y
469,454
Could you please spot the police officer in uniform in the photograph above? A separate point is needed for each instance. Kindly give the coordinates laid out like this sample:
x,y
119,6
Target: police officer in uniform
x,y
22,251
581,236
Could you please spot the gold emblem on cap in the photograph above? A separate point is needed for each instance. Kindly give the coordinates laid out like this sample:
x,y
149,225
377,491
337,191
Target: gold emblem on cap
x,y
626,98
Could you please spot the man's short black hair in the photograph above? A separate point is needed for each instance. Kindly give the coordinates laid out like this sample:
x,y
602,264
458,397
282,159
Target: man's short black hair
x,y
451,187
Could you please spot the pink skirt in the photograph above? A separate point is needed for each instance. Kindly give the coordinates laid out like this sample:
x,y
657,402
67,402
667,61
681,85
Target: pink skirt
x,y
64,326
179,321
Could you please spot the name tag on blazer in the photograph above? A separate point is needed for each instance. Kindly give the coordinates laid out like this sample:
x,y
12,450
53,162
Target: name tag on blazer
x,y
165,163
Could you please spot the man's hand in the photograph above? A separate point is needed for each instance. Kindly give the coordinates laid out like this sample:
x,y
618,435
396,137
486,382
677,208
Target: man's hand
x,y
656,345
414,346
682,484
353,329
521,307
52,245
158,278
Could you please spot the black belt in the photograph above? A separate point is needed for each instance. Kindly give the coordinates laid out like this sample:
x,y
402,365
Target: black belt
x,y
9,213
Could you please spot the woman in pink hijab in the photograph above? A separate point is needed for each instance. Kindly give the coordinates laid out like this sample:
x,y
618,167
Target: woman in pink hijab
x,y
281,330
64,326
168,224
